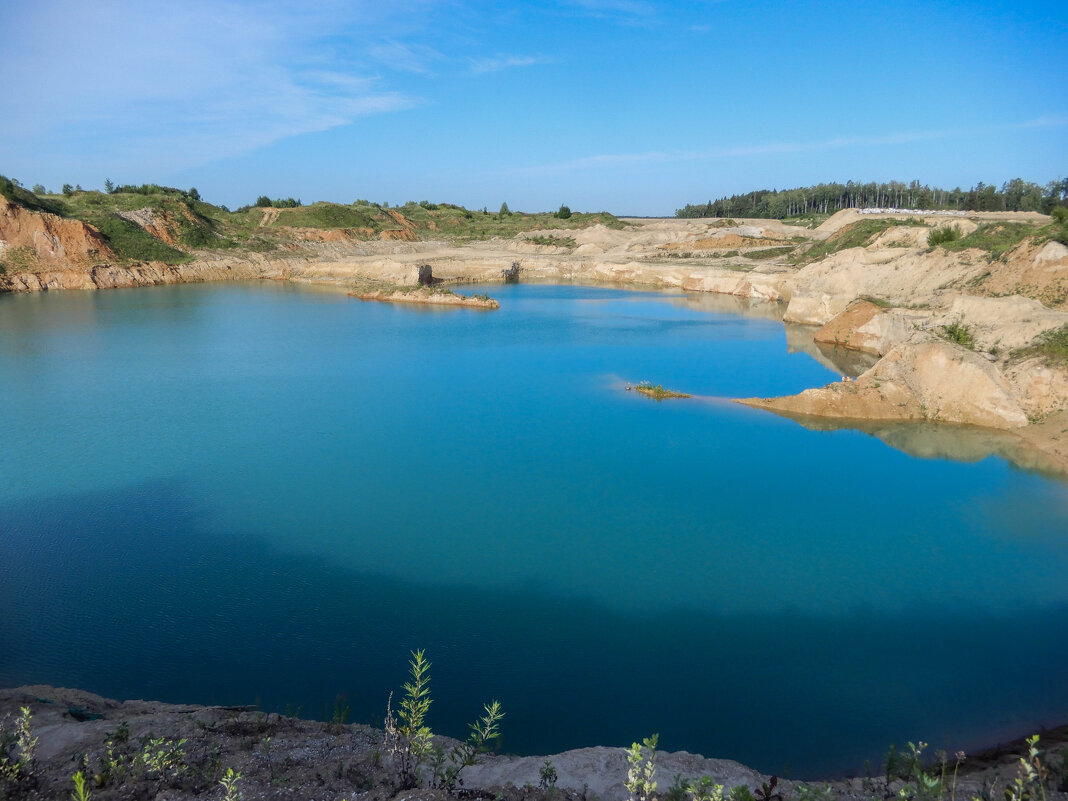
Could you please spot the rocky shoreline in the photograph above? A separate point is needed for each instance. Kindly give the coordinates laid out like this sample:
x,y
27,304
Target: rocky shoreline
x,y
190,747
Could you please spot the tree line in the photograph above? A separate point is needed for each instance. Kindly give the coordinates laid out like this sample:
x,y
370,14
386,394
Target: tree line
x,y
1014,195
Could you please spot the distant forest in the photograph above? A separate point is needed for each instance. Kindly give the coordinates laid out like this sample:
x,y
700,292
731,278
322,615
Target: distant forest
x,y
1014,195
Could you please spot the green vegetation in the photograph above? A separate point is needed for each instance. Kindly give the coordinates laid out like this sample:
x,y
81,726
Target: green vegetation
x,y
264,202
132,243
1052,347
769,253
17,260
812,220
641,760
825,199
326,216
882,303
17,752
995,238
159,767
229,784
163,759
857,235
658,392
21,197
1058,229
81,791
943,235
959,333
554,241
547,776
149,222
409,741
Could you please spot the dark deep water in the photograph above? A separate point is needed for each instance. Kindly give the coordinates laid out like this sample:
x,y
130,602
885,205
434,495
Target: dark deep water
x,y
262,493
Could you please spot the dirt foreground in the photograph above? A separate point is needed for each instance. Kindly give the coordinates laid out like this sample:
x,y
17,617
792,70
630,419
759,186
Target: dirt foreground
x,y
151,750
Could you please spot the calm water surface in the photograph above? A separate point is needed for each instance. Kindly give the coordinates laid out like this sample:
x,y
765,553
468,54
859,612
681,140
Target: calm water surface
x,y
237,494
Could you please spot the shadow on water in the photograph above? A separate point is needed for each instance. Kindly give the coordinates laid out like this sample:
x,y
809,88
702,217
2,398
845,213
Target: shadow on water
x,y
125,593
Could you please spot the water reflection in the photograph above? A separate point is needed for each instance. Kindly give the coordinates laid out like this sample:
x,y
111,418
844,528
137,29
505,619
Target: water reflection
x,y
957,443
843,361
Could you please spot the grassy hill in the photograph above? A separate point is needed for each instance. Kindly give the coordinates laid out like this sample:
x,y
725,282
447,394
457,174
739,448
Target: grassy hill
x,y
159,223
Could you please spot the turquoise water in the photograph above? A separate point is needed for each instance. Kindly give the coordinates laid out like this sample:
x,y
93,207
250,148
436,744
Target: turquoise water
x,y
270,494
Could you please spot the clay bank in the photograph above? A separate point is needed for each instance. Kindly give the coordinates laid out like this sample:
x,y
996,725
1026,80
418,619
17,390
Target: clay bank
x,y
971,332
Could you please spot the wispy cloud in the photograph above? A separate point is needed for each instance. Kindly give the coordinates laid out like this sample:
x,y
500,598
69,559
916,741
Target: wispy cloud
x,y
194,82
632,8
622,12
772,148
1047,121
405,57
498,63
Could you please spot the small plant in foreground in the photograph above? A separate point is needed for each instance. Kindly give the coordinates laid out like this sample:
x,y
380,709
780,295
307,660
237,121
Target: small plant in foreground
x,y
806,792
639,783
1031,778
767,791
408,740
112,765
705,789
484,732
229,784
81,790
17,750
547,776
162,758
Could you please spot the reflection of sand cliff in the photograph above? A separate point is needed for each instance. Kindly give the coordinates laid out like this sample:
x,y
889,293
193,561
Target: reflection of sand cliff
x,y
941,441
842,360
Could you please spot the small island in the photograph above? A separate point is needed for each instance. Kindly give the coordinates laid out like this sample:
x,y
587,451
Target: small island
x,y
657,392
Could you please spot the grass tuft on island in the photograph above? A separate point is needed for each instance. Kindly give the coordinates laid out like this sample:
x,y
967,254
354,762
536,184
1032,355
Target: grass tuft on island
x,y
658,392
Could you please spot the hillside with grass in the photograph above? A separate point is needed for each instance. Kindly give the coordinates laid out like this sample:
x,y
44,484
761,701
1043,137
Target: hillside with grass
x,y
152,223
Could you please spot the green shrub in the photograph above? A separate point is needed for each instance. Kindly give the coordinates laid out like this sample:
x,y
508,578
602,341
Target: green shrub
x,y
1059,214
959,333
563,213
944,235
639,782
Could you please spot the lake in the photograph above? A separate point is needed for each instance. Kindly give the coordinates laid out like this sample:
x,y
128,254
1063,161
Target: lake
x,y
266,493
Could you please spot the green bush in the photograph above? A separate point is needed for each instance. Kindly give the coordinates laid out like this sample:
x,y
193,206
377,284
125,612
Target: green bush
x,y
944,235
563,213
1059,214
959,333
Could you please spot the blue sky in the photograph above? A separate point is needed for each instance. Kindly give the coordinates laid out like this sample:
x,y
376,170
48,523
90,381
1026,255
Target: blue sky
x,y
630,106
